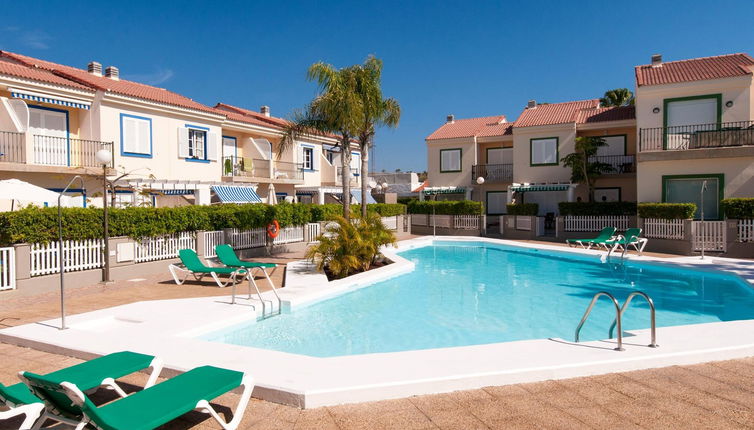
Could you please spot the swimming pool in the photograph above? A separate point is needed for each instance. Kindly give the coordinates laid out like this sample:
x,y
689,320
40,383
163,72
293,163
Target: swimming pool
x,y
471,293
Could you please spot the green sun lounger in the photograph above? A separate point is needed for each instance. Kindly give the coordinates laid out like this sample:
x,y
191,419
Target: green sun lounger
x,y
192,265
605,236
89,375
154,406
228,257
629,238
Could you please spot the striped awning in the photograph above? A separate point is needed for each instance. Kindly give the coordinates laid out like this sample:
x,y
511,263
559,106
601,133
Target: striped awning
x,y
47,98
443,190
540,187
172,192
229,194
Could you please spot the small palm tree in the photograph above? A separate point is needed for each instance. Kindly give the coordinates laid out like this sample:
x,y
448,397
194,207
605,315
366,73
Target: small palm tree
x,y
335,110
376,112
584,170
617,97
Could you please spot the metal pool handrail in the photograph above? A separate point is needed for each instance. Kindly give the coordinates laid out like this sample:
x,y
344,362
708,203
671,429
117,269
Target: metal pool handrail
x,y
653,330
617,316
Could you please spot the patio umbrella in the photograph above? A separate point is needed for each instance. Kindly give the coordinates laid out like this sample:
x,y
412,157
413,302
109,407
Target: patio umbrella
x,y
272,198
24,193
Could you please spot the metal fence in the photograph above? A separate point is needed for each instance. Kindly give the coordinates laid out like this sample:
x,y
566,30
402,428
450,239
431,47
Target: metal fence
x,y
618,163
65,151
492,173
695,136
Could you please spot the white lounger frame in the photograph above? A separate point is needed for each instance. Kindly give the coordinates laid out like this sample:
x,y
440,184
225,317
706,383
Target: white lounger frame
x,y
107,383
176,269
32,411
202,405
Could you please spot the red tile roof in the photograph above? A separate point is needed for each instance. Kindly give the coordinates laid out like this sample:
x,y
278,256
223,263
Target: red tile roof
x,y
470,127
250,114
122,86
696,69
36,74
554,113
587,116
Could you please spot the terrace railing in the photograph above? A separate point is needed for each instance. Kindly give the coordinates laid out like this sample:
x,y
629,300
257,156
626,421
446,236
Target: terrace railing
x,y
12,147
492,173
251,167
65,151
618,163
697,136
288,170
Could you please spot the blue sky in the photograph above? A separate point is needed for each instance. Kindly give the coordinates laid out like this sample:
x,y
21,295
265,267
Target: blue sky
x,y
466,58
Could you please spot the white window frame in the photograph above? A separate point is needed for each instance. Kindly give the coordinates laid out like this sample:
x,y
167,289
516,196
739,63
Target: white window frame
x,y
140,150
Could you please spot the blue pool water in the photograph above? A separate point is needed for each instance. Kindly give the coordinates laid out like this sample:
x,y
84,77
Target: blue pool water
x,y
472,293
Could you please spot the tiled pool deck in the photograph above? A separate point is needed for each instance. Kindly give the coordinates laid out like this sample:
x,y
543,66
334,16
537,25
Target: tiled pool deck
x,y
713,395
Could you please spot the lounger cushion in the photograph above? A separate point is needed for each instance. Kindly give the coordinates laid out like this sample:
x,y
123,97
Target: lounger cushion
x,y
229,258
167,400
193,263
17,395
90,374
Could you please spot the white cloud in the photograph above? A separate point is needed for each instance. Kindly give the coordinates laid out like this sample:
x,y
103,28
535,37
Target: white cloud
x,y
157,77
36,39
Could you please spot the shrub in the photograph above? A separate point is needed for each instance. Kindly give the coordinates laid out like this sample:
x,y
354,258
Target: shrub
x,y
530,209
456,207
597,208
407,200
739,208
667,210
383,209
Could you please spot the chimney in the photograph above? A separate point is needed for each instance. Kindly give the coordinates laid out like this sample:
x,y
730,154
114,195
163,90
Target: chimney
x,y
94,68
112,72
450,119
265,110
657,60
532,104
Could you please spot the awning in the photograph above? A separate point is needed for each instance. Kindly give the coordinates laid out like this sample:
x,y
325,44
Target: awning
x,y
172,193
228,194
357,195
46,98
521,188
443,190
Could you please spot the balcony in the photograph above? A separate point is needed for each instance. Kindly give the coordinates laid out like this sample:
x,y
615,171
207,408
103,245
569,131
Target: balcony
x,y
256,169
697,136
492,173
50,150
354,176
619,164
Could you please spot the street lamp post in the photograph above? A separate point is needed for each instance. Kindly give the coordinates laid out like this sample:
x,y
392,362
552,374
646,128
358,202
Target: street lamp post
x,y
105,157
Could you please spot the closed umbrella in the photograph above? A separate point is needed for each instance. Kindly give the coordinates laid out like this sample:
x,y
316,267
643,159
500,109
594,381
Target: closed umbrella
x,y
25,193
272,198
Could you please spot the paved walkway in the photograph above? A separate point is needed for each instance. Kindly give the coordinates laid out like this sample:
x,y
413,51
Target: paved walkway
x,y
716,395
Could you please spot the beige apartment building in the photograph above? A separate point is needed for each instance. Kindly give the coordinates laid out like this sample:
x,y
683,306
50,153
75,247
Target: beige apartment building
x,y
692,123
167,150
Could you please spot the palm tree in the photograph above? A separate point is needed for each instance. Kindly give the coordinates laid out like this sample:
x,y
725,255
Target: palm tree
x,y
618,97
335,110
375,111
584,170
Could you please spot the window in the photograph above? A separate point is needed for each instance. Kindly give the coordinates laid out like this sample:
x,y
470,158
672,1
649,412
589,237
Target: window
x,y
688,189
496,202
308,159
499,155
607,194
135,136
450,160
544,151
330,155
197,144
615,145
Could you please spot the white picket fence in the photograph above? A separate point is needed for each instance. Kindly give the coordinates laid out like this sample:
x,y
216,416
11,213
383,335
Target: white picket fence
x,y
212,239
460,222
390,222
164,247
595,223
466,222
7,269
746,230
663,228
289,235
78,255
708,234
523,223
313,230
245,239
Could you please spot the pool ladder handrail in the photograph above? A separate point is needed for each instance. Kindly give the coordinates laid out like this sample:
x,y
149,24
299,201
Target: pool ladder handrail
x,y
617,315
250,279
653,327
624,246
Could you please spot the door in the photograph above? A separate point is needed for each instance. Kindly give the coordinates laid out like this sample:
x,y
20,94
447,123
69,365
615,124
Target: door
x,y
50,131
496,202
229,154
689,190
685,118
499,164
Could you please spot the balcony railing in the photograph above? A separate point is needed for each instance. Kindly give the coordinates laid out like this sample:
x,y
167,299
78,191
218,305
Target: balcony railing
x,y
287,170
65,151
492,173
696,136
249,167
12,147
618,163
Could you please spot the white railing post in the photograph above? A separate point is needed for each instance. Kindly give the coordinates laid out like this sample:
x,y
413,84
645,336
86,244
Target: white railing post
x,y
7,268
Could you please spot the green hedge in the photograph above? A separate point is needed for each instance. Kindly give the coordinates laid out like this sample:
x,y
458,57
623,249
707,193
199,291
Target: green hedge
x,y
525,209
40,225
740,208
597,208
667,210
446,207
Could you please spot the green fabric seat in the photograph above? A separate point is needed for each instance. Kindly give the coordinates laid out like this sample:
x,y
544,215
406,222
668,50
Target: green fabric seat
x,y
17,394
604,237
193,263
228,257
90,374
629,237
153,406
